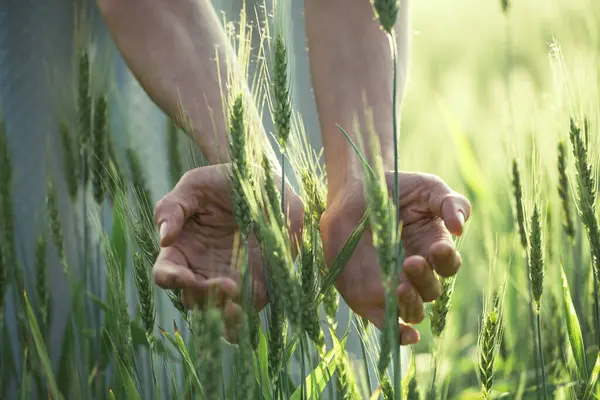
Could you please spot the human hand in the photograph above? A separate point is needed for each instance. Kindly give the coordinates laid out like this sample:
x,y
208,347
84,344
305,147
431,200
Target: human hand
x,y
200,238
431,213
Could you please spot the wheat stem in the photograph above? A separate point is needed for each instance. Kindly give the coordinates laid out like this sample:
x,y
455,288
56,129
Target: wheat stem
x,y
539,335
399,260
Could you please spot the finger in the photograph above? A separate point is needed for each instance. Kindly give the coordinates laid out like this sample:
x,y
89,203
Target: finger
x,y
408,334
232,315
452,207
410,305
214,292
444,258
418,272
177,206
170,271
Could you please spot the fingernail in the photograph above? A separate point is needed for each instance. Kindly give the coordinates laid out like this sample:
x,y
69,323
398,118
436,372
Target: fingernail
x,y
163,230
461,218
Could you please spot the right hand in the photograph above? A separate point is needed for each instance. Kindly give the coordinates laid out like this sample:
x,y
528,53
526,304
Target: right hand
x,y
199,239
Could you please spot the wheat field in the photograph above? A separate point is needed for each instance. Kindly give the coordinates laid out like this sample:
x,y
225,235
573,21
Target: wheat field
x,y
503,103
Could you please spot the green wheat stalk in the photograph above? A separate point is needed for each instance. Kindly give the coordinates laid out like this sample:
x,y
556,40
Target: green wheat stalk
x,y
441,307
117,322
241,171
536,273
55,224
489,339
563,192
243,365
520,211
587,191
386,12
42,292
143,284
84,110
282,108
208,329
69,156
99,146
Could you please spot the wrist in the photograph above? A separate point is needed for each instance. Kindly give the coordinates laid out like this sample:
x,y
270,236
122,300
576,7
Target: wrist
x,y
345,169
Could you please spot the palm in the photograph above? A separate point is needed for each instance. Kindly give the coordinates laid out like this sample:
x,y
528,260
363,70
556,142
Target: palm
x,y
201,246
209,244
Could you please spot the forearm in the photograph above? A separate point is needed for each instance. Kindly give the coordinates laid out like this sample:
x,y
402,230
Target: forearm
x,y
171,47
350,62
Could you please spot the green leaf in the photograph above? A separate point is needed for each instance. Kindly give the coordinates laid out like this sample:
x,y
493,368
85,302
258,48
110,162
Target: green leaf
x,y
573,328
345,253
66,363
174,383
362,159
98,301
320,376
138,338
261,367
593,382
41,349
127,380
290,347
179,344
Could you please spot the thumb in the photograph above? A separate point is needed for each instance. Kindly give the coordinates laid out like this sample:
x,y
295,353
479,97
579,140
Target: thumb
x,y
452,207
170,215
185,200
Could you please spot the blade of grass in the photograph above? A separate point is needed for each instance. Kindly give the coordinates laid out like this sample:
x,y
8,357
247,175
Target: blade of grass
x,y
590,390
41,350
344,255
261,368
26,379
178,343
126,379
363,160
573,328
320,376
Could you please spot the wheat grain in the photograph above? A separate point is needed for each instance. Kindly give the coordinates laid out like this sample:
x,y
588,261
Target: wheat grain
x,y
489,342
243,364
277,330
518,197
441,306
387,13
208,329
55,224
239,159
145,297
69,156
42,292
283,110
536,258
563,191
84,110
